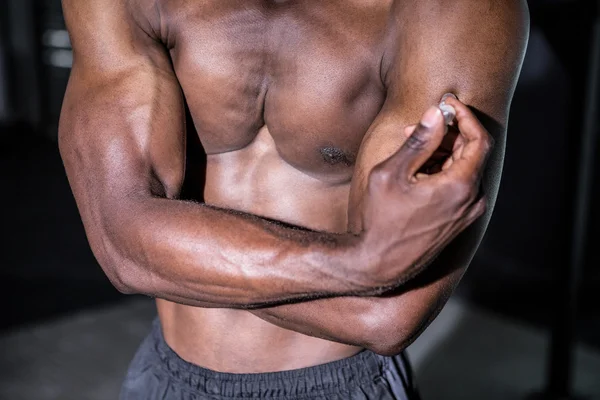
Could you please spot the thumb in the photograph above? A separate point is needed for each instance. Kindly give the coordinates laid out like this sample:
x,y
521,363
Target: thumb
x,y
421,144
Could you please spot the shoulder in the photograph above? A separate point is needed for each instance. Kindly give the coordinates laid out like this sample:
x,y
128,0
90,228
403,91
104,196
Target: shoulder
x,y
100,16
109,35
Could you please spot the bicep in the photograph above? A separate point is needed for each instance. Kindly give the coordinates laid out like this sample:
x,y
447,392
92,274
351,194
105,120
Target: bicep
x,y
122,123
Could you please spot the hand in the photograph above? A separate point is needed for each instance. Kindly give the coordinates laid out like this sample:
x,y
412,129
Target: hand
x,y
409,216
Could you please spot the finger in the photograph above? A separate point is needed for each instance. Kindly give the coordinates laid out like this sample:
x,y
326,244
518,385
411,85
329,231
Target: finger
x,y
457,148
409,130
447,164
421,144
472,214
477,210
477,141
459,143
419,177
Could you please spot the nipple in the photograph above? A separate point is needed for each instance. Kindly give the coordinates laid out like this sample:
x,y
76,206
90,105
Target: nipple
x,y
448,111
334,155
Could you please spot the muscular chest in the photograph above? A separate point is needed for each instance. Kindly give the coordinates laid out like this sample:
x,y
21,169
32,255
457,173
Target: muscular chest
x,y
307,70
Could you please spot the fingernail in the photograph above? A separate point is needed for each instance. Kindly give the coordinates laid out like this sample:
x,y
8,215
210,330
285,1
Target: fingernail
x,y
448,112
447,95
431,117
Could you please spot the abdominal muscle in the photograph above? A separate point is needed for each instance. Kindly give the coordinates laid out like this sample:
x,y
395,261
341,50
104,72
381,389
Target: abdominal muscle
x,y
256,180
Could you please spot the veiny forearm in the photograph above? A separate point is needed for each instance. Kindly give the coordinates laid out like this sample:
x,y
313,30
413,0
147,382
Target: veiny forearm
x,y
388,323
126,175
200,255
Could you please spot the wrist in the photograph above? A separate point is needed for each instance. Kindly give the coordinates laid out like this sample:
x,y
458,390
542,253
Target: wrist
x,y
360,263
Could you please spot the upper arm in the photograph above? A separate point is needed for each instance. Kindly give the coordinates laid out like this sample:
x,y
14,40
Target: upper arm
x,y
472,48
122,124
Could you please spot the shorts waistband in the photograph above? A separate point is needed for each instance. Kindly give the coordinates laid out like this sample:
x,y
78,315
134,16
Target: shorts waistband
x,y
362,368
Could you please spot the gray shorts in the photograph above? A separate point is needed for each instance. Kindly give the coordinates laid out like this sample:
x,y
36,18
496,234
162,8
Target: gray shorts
x,y
157,373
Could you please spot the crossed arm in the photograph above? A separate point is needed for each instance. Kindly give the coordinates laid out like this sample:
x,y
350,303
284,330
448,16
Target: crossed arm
x,y
474,49
124,158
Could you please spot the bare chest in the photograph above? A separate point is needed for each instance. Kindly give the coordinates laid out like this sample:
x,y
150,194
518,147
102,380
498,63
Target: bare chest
x,y
310,71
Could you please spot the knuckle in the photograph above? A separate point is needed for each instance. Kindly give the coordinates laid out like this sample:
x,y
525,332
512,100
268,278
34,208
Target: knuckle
x,y
488,142
462,191
425,192
380,176
483,206
417,141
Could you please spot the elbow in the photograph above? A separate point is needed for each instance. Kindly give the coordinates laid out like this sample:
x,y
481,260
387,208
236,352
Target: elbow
x,y
386,334
115,236
389,349
387,343
127,275
120,272
120,277
122,282
122,286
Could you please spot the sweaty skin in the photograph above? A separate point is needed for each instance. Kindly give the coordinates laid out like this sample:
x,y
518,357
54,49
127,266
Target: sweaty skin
x,y
303,109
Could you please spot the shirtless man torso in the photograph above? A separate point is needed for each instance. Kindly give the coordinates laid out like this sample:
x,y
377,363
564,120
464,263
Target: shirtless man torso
x,y
297,103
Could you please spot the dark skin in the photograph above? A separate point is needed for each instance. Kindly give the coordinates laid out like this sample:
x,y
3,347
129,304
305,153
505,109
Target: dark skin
x,y
306,111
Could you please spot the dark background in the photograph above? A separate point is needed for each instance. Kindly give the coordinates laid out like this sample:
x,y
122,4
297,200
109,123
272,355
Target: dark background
x,y
519,272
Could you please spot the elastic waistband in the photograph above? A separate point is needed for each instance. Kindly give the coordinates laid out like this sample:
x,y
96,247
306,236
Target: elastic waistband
x,y
363,368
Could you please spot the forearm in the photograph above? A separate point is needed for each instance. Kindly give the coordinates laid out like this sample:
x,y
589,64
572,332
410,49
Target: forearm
x,y
341,319
388,323
126,174
385,324
203,256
